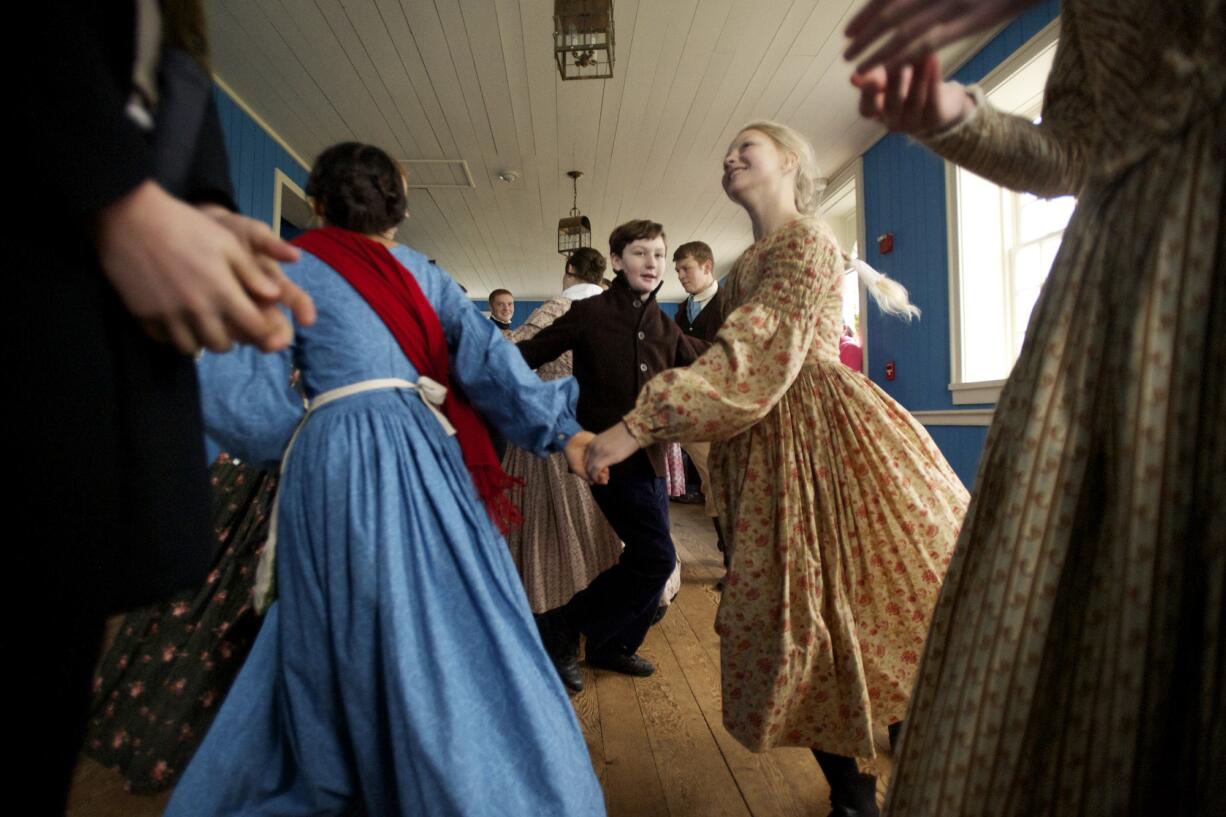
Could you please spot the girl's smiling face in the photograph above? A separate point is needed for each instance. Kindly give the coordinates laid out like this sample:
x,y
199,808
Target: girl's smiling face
x,y
753,160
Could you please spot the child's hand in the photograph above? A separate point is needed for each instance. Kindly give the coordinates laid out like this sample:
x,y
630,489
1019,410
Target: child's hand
x,y
609,448
912,99
267,249
575,453
191,279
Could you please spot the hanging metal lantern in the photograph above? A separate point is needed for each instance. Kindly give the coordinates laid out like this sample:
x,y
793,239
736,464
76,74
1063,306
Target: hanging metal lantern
x,y
574,231
583,38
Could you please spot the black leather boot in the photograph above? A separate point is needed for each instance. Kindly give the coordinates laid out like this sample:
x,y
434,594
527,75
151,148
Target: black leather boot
x,y
611,656
614,659
852,794
562,645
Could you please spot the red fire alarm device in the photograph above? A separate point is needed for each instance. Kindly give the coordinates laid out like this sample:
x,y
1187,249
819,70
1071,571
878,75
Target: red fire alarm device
x,y
890,371
885,243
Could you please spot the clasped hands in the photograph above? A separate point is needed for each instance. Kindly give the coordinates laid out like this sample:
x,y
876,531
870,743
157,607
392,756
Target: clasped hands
x,y
199,276
590,455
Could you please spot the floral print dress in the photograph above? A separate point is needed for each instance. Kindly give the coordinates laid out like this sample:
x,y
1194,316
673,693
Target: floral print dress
x,y
161,682
841,509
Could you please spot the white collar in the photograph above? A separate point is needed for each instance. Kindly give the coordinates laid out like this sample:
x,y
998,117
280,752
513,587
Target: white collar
x,y
580,291
707,294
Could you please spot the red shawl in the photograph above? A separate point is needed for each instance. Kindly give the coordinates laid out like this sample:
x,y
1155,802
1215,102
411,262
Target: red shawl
x,y
394,294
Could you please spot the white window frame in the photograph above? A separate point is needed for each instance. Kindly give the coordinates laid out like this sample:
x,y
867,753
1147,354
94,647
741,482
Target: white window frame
x,y
853,173
288,198
984,391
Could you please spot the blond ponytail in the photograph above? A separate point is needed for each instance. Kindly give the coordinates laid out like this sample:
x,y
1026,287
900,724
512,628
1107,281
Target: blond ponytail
x,y
890,295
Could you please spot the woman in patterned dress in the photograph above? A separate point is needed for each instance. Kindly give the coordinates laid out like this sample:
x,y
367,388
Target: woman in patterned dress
x,y
1076,661
842,511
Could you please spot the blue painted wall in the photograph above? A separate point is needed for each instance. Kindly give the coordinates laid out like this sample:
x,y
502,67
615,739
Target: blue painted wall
x,y
962,446
254,156
904,194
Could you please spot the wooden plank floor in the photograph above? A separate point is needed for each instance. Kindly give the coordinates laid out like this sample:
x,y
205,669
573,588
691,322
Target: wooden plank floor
x,y
657,744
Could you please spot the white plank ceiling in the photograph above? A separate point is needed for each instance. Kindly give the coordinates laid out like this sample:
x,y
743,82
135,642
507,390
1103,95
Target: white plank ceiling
x,y
475,80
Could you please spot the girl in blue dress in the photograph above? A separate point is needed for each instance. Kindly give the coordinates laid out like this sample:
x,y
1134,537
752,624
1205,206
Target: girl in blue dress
x,y
399,670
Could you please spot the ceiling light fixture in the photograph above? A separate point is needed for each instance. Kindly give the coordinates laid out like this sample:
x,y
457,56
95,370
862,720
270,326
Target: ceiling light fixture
x,y
583,38
575,231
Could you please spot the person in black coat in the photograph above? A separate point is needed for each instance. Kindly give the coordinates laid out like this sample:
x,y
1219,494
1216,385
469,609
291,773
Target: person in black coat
x,y
124,258
619,339
700,315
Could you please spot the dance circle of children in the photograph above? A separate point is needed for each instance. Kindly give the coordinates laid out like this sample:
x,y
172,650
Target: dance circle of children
x,y
416,592
426,519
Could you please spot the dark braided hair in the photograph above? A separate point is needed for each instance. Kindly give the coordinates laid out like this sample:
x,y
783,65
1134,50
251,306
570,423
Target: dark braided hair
x,y
358,187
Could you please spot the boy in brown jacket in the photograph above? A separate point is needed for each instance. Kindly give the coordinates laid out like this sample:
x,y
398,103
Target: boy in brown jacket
x,y
619,341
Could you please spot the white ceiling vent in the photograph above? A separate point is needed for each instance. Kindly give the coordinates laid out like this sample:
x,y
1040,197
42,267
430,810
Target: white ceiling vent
x,y
426,174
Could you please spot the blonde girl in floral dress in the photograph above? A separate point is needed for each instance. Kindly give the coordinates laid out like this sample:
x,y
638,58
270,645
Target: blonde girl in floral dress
x,y
842,511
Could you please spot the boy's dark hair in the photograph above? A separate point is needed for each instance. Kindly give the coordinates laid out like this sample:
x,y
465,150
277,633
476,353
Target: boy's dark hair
x,y
358,187
498,292
637,230
698,250
587,265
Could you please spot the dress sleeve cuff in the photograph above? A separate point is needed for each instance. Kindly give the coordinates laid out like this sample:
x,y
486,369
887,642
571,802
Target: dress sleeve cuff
x,y
954,133
565,429
638,429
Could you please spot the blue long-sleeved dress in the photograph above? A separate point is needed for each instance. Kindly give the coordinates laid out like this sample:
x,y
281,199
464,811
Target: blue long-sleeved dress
x,y
400,667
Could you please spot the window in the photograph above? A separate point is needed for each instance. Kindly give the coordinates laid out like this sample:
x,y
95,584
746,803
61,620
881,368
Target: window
x,y
1002,243
291,211
841,209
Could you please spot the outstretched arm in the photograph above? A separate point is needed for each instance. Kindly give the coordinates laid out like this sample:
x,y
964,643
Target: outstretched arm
x,y
1050,158
756,357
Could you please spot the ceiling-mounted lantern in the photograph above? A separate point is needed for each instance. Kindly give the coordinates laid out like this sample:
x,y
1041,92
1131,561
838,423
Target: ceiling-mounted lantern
x,y
574,231
583,38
